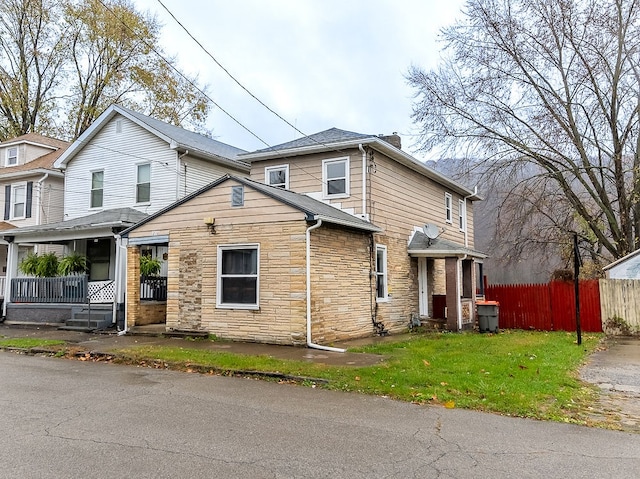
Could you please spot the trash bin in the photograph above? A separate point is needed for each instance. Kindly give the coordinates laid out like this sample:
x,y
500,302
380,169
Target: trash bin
x,y
488,316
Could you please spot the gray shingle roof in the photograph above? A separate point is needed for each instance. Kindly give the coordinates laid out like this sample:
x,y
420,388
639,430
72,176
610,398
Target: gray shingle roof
x,y
332,135
118,217
421,245
185,138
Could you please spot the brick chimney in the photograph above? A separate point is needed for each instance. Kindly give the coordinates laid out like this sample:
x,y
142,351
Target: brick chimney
x,y
392,139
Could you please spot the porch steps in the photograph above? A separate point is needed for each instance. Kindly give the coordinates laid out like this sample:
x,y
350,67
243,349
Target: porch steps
x,y
83,320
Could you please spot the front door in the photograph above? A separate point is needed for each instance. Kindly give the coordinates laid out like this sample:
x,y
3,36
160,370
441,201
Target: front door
x,y
422,287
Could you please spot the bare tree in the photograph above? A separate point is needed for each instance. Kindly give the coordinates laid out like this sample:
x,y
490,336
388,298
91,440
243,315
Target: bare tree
x,y
553,84
63,62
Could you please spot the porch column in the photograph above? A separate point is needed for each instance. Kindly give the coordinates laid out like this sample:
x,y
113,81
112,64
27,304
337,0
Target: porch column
x,y
453,293
132,312
12,272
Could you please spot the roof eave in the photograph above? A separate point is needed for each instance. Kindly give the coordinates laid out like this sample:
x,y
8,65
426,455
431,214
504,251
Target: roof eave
x,y
303,150
328,219
35,171
210,156
430,253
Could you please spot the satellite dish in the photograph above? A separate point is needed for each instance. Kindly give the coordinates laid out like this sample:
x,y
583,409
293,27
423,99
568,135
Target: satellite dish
x,y
431,231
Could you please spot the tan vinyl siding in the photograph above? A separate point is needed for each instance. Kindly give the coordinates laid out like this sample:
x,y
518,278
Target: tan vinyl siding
x,y
306,175
258,209
402,199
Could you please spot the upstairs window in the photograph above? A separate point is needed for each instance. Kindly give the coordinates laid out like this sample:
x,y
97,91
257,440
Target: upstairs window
x,y
97,189
277,176
448,208
143,184
238,285
18,201
462,215
335,178
12,156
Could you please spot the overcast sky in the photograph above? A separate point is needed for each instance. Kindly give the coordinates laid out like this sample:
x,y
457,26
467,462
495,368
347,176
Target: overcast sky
x,y
317,63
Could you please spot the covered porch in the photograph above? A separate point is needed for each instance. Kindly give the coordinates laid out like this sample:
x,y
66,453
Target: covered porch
x,y
98,294
449,280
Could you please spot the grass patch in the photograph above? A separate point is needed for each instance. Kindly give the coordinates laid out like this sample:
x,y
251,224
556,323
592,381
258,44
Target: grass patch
x,y
520,373
28,343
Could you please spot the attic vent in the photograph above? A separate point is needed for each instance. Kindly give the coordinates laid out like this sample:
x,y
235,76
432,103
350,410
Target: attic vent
x,y
118,126
237,195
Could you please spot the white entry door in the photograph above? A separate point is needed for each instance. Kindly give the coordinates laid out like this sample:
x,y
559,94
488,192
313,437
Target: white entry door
x,y
422,286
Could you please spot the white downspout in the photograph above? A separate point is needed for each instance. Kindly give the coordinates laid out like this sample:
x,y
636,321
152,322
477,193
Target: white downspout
x,y
120,259
365,216
458,289
466,229
39,204
311,344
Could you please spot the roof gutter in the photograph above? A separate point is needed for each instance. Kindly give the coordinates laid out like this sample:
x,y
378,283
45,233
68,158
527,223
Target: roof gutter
x,y
310,343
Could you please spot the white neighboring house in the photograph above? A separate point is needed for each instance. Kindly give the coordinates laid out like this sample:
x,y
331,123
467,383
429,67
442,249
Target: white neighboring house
x,y
124,167
30,188
627,267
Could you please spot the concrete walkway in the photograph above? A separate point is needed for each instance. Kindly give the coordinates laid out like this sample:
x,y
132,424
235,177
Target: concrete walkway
x,y
107,342
615,369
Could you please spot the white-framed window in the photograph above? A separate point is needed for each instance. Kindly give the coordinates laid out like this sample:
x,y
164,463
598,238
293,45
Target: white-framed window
x,y
238,282
381,273
335,178
18,201
12,156
143,183
448,208
462,215
277,176
97,189
237,195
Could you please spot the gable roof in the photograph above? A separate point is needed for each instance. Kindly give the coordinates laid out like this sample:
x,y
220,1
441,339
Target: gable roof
x,y
43,164
313,209
335,139
36,139
421,245
622,260
177,138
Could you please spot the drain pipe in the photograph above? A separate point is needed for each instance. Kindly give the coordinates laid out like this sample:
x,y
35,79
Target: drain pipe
x,y
365,216
311,344
120,264
466,229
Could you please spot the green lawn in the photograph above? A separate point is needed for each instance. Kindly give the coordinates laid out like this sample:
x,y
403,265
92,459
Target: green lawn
x,y
28,343
530,374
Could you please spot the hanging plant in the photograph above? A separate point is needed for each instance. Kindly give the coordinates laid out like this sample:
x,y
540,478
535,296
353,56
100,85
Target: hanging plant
x,y
149,266
73,263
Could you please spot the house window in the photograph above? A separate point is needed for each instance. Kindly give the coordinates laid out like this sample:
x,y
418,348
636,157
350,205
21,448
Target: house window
x,y
97,189
143,184
238,285
237,195
462,215
335,178
12,156
381,273
18,201
277,176
448,208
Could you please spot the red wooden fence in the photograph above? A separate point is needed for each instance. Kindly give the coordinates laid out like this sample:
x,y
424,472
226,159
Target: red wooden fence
x,y
547,307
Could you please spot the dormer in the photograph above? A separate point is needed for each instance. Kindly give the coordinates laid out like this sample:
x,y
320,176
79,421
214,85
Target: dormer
x,y
26,148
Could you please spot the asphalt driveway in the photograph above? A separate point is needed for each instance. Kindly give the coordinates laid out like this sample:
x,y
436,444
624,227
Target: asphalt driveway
x,y
615,369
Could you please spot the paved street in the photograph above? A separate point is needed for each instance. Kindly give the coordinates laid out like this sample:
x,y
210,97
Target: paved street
x,y
76,419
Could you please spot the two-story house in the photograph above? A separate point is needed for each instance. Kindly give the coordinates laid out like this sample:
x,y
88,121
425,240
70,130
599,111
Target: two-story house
x,y
31,188
121,169
336,236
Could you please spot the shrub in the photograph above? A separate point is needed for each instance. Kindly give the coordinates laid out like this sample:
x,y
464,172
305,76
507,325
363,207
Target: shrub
x,y
149,266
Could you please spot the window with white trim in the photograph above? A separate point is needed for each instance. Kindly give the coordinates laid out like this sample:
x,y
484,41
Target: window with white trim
x,y
462,215
12,156
448,208
277,176
238,276
381,273
18,201
97,189
335,178
143,183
